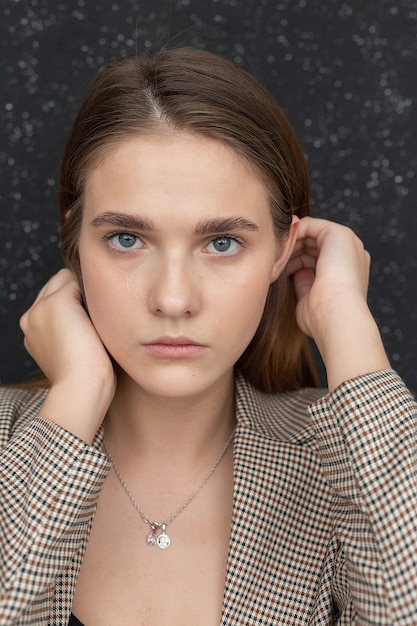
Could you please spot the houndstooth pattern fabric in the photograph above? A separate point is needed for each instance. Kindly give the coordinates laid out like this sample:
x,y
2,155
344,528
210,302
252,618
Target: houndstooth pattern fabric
x,y
324,527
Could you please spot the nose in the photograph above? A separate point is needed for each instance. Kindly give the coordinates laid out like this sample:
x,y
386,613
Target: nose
x,y
174,292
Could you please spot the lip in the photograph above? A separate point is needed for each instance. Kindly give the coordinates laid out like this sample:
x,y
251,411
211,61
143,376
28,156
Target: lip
x,y
173,341
174,348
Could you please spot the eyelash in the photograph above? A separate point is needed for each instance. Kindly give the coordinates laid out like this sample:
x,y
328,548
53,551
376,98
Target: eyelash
x,y
233,238
109,236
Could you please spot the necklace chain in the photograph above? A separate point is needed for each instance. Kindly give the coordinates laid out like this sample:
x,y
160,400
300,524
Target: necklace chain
x,y
163,540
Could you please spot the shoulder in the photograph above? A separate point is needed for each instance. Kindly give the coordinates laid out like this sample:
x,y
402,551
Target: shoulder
x,y
280,416
17,406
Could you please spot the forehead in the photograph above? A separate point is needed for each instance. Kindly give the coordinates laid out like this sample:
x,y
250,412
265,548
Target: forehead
x,y
173,163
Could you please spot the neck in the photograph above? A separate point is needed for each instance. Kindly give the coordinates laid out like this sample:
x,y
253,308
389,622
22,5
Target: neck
x,y
142,426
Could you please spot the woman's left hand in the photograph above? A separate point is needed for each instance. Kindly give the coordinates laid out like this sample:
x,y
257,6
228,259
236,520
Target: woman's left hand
x,y
331,271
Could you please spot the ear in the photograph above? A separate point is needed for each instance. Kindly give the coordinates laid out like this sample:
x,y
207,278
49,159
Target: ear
x,y
284,248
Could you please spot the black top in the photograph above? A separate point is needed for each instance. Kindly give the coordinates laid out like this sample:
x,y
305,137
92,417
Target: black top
x,y
74,621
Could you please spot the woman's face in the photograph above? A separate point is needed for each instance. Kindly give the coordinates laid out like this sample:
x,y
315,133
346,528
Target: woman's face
x,y
177,253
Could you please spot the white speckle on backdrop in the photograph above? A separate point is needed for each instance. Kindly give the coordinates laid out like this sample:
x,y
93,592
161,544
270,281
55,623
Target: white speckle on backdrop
x,y
344,72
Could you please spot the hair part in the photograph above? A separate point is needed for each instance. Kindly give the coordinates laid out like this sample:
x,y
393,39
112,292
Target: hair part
x,y
199,92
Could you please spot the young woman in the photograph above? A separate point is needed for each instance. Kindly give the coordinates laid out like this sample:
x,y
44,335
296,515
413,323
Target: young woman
x,y
182,467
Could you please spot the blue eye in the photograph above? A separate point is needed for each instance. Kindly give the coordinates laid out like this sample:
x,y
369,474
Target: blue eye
x,y
224,245
124,241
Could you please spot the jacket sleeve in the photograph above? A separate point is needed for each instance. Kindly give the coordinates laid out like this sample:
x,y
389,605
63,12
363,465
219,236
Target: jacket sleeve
x,y
49,486
367,444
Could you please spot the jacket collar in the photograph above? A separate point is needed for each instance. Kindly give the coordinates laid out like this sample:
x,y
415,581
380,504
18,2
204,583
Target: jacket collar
x,y
275,487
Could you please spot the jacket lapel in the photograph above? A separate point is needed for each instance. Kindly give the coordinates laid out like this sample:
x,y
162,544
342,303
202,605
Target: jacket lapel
x,y
280,527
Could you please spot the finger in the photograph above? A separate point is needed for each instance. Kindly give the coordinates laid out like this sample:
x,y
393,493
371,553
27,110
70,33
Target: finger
x,y
57,282
313,226
303,281
300,262
54,284
307,243
318,229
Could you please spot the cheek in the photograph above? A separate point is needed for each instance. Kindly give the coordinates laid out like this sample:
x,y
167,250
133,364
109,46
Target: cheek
x,y
255,303
245,313
102,299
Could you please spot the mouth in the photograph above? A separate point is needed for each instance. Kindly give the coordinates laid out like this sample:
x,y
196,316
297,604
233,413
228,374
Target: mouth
x,y
174,348
173,341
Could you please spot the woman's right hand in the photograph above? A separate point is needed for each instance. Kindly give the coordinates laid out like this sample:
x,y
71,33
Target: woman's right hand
x,y
61,338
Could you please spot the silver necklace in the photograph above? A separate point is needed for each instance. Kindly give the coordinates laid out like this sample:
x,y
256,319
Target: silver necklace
x,y
158,536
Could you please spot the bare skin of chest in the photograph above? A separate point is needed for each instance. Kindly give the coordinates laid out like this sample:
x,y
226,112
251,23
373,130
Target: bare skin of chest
x,y
125,581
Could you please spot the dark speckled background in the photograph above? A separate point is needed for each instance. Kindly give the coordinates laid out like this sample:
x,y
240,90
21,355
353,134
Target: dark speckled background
x,y
344,72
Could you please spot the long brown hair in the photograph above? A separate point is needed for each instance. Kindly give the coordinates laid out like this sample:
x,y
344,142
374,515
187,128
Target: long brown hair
x,y
199,92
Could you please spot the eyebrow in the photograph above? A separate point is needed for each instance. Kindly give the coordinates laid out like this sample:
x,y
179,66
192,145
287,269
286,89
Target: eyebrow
x,y
123,220
210,226
223,225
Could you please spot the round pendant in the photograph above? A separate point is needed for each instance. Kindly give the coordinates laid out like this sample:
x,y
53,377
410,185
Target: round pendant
x,y
151,539
163,541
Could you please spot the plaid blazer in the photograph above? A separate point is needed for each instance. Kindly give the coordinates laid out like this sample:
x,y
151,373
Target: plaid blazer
x,y
324,527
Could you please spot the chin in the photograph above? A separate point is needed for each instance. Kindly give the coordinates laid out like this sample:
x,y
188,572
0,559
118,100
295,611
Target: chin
x,y
178,382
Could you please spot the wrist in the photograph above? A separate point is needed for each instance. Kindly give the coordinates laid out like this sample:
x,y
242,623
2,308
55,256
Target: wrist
x,y
79,406
350,345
